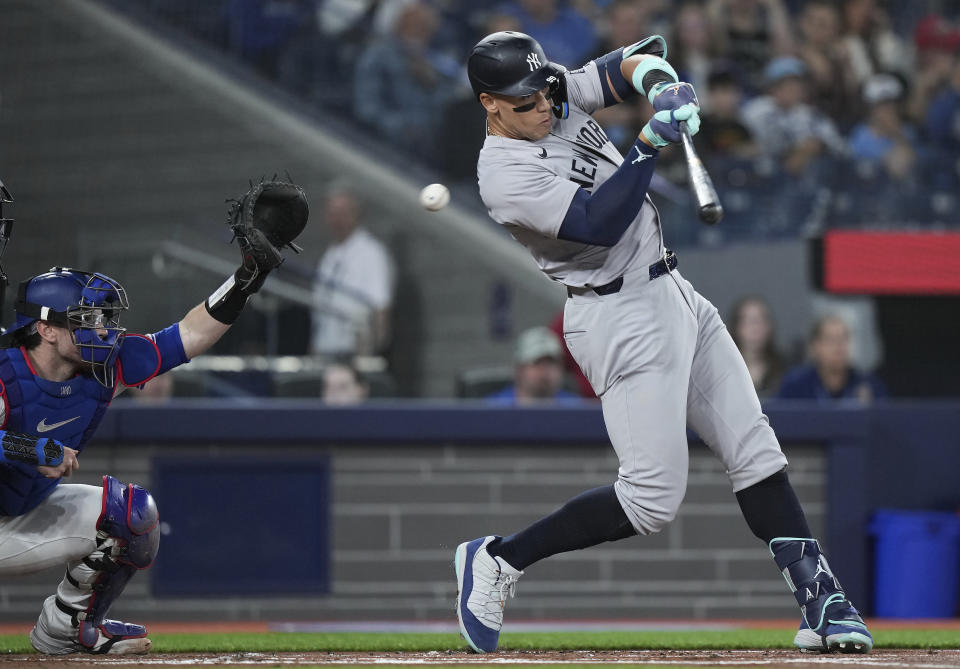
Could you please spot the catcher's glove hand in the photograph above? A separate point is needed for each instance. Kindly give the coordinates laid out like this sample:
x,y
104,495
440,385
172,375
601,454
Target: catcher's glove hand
x,y
269,216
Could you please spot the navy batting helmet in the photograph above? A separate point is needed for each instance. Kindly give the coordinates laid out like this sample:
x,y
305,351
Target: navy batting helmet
x,y
86,303
511,63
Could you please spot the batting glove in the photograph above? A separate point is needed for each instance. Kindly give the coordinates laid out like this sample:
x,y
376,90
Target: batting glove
x,y
673,96
664,127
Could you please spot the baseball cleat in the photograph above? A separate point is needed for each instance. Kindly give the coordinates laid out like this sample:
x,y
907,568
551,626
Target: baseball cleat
x,y
483,583
844,631
56,634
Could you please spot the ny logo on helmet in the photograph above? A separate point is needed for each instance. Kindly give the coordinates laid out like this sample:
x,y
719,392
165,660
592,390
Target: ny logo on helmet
x,y
533,60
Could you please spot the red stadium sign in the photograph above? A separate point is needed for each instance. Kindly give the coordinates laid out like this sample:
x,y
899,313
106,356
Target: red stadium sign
x,y
891,263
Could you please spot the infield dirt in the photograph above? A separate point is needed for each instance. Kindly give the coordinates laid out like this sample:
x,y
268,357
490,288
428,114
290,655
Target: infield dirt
x,y
786,659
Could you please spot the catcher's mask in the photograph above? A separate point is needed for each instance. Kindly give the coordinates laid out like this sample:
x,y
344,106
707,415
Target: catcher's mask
x,y
88,304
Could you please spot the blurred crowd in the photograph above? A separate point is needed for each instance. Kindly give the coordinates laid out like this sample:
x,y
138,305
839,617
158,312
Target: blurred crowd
x,y
816,112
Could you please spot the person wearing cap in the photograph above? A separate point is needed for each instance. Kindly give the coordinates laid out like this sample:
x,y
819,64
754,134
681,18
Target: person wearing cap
x,y
885,138
936,43
537,372
786,127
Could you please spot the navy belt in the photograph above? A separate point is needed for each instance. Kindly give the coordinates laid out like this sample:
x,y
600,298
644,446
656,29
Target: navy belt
x,y
666,264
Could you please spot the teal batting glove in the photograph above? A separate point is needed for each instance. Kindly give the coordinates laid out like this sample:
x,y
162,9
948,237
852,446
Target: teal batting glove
x,y
664,127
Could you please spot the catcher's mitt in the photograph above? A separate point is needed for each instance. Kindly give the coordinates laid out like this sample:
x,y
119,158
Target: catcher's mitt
x,y
266,218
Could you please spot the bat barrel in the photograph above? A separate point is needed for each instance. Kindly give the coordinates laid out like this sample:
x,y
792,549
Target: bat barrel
x,y
709,208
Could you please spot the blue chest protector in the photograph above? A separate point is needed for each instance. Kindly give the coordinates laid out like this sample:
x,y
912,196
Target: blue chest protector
x,y
68,411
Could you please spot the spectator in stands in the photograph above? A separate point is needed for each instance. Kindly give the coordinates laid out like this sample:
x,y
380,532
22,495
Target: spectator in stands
x,y
750,33
573,369
753,331
785,127
402,85
723,133
833,88
257,30
692,51
830,374
885,138
937,44
870,44
318,62
343,385
538,371
943,115
563,32
354,286
624,22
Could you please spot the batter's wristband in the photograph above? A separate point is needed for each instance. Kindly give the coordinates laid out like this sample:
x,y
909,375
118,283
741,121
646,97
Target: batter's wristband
x,y
227,301
651,71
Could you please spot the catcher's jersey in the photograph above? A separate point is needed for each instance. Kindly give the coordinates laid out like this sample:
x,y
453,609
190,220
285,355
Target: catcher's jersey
x,y
528,187
68,411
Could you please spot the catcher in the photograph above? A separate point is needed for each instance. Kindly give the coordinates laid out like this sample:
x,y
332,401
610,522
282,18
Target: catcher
x,y
65,358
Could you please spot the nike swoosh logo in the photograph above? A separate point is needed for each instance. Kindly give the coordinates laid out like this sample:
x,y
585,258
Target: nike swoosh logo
x,y
543,153
43,427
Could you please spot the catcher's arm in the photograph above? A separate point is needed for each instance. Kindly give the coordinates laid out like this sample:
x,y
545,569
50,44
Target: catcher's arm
x,y
265,219
199,331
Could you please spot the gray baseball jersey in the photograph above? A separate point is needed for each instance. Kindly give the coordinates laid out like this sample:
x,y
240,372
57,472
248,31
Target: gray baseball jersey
x,y
528,186
655,351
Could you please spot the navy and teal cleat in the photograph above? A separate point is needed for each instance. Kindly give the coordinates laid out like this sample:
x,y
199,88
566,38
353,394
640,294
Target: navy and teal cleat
x,y
842,630
483,584
829,621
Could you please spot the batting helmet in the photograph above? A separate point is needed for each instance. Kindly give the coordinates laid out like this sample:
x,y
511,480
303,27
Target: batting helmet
x,y
511,63
86,303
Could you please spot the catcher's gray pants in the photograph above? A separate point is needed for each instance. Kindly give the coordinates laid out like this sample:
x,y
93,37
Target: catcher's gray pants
x,y
61,529
660,358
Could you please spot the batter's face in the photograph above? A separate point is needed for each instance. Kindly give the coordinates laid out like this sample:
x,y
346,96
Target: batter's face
x,y
532,122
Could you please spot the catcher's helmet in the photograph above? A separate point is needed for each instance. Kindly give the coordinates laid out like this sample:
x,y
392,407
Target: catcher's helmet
x,y
511,63
86,303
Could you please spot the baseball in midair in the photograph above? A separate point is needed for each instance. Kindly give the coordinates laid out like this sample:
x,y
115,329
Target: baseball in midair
x,y
434,197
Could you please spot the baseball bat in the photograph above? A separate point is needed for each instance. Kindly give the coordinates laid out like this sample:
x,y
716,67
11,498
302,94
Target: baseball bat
x,y
709,208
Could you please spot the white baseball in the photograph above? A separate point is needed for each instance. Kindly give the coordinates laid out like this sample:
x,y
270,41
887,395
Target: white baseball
x,y
434,197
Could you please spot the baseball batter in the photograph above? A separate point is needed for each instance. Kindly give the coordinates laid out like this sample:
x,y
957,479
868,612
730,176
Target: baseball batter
x,y
64,360
655,350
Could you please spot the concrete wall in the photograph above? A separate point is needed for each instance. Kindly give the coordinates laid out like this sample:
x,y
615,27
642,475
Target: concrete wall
x,y
399,512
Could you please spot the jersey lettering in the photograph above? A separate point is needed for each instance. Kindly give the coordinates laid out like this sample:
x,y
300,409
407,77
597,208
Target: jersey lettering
x,y
591,134
583,175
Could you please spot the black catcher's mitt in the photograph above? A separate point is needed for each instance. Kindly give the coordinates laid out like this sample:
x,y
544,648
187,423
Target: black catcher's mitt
x,y
266,218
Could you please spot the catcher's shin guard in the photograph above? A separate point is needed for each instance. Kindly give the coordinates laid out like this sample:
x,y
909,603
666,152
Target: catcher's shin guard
x,y
830,621
127,540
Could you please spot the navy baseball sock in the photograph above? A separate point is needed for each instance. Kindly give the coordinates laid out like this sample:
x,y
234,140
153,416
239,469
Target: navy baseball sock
x,y
588,519
772,510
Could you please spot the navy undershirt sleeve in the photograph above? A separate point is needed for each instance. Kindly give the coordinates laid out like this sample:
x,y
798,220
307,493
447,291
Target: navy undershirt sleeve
x,y
609,64
602,218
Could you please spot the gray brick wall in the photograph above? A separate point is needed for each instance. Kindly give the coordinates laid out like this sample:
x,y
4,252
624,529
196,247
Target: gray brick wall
x,y
398,513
